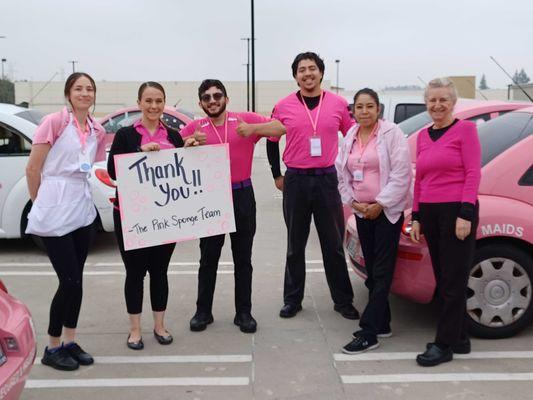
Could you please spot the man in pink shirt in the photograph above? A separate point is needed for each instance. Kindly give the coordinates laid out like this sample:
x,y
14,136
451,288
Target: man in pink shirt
x,y
313,117
241,131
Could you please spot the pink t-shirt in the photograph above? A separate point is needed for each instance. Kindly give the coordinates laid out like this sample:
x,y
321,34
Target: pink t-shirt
x,y
160,136
449,169
365,191
241,149
334,117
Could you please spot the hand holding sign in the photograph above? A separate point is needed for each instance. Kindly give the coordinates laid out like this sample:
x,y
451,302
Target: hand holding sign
x,y
152,146
200,137
191,141
244,129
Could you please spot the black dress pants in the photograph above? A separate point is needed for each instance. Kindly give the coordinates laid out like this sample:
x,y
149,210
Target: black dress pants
x,y
241,249
67,254
306,195
137,262
379,242
451,259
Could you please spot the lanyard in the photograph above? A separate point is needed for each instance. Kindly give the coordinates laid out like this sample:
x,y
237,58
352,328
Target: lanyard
x,y
82,134
360,144
315,122
225,129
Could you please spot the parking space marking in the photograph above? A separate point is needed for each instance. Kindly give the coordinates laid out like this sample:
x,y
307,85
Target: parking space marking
x,y
136,382
429,377
236,358
122,273
119,264
476,355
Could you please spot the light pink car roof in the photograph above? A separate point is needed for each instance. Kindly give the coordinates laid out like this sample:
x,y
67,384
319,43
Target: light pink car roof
x,y
168,110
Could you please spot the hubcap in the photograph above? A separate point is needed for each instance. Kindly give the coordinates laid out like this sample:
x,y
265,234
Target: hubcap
x,y
499,292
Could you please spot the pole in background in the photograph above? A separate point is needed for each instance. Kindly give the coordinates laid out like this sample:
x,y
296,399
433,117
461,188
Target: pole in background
x,y
247,73
73,65
253,58
337,62
3,75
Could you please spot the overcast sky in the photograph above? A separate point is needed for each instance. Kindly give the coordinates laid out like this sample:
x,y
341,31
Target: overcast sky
x,y
379,42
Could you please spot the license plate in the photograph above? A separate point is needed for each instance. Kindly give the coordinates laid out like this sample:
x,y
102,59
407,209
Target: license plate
x,y
354,248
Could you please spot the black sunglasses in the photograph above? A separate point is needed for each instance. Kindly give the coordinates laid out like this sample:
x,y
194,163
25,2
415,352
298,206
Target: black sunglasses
x,y
207,97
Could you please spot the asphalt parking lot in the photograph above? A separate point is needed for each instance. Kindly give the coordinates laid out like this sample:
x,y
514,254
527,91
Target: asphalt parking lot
x,y
298,358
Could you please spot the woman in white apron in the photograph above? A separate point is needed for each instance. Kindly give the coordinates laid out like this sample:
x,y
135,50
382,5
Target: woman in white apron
x,y
65,146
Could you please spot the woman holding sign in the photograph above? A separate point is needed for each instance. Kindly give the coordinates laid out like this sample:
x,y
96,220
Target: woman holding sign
x,y
65,146
147,134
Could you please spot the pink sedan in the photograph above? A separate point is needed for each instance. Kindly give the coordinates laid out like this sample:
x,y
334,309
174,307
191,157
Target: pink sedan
x,y
17,345
500,286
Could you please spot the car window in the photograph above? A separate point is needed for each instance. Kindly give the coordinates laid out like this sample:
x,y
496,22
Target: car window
x,y
479,119
172,122
12,142
527,178
405,111
498,134
34,116
414,124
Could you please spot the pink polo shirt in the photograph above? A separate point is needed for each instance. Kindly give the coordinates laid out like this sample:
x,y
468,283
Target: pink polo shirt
x,y
241,149
365,191
160,136
334,117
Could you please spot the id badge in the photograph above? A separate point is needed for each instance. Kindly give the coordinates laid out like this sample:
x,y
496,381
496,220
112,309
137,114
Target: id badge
x,y
316,146
84,162
358,172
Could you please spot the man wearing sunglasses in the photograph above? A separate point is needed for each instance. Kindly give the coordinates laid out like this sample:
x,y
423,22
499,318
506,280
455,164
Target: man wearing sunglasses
x,y
241,131
313,117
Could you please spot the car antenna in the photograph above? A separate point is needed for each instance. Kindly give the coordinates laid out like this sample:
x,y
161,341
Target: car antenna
x,y
421,80
177,102
510,77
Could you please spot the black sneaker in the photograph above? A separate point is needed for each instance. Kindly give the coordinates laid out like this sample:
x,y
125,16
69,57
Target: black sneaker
x,y
380,335
59,359
78,354
359,345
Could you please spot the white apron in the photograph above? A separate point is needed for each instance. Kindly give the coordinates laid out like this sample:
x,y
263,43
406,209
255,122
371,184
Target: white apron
x,y
64,202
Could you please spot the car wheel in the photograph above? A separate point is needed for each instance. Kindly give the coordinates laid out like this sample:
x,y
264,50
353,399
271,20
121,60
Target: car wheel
x,y
499,295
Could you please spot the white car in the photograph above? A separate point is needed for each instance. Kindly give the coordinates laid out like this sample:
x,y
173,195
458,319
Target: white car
x,y
17,126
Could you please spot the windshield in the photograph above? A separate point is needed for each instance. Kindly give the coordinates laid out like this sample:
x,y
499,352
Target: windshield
x,y
414,124
33,116
499,134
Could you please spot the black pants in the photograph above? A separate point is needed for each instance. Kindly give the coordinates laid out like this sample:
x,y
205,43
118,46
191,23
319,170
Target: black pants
x,y
451,259
137,262
318,196
379,242
67,254
241,249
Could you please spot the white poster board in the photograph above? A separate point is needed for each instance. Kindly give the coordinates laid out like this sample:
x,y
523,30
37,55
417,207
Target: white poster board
x,y
174,195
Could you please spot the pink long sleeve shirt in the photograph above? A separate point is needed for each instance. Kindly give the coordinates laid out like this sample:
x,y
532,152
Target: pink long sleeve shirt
x,y
449,169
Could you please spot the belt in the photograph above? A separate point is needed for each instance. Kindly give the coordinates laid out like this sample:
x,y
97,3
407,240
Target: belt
x,y
312,171
241,184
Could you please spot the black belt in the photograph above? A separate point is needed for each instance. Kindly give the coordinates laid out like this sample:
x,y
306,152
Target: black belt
x,y
241,184
312,171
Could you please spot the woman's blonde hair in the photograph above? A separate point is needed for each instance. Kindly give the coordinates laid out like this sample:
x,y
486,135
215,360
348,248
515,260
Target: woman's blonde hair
x,y
441,83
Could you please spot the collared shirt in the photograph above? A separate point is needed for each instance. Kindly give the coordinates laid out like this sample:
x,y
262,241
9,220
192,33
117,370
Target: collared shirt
x,y
365,191
160,136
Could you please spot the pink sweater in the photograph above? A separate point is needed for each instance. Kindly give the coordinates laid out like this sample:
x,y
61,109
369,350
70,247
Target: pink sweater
x,y
449,169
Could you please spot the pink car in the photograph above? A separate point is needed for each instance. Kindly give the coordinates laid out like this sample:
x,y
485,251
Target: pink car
x,y
17,345
500,286
127,116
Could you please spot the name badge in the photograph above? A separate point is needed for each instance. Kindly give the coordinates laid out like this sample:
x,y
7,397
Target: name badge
x,y
358,172
316,146
84,162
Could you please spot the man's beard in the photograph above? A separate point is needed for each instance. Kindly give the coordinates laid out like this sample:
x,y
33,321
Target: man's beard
x,y
217,114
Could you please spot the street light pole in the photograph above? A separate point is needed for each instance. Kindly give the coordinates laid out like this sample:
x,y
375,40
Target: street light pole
x,y
73,65
247,73
253,58
337,62
3,75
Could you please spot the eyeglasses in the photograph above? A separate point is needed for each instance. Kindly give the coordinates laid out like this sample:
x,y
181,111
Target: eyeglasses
x,y
207,97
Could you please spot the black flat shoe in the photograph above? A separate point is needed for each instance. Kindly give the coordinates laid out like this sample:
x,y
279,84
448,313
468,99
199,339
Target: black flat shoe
x,y
164,340
77,353
245,322
434,356
463,347
348,311
200,320
59,359
135,345
289,310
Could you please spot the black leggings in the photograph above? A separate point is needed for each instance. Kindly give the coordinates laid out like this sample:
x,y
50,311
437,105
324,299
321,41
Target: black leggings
x,y
67,254
137,262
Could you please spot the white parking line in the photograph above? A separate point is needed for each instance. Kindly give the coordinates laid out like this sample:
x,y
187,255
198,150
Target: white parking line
x,y
122,273
476,355
119,264
136,382
237,358
460,377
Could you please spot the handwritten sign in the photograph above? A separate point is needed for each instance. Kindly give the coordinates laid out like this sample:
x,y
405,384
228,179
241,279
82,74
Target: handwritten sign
x,y
174,195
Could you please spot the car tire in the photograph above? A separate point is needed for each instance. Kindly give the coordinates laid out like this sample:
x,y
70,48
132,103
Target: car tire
x,y
499,295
